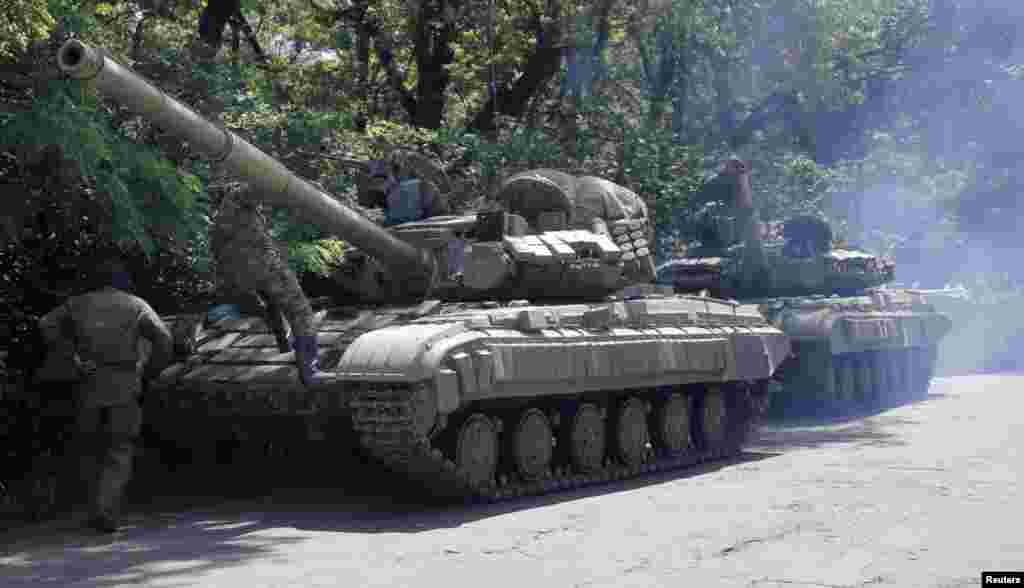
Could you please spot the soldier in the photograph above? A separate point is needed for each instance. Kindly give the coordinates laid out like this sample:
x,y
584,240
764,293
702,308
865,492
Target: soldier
x,y
396,186
104,326
731,189
407,185
249,262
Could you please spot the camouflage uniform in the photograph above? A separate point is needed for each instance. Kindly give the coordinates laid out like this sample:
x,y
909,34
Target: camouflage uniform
x,y
412,200
731,189
106,326
249,262
394,186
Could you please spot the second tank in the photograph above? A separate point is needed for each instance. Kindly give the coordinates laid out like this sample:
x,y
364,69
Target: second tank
x,y
857,344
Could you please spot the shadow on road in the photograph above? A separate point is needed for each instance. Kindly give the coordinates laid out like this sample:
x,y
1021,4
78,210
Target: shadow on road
x,y
865,428
406,513
873,432
162,543
195,521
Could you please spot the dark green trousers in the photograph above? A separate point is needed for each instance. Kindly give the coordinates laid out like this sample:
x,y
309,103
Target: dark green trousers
x,y
107,447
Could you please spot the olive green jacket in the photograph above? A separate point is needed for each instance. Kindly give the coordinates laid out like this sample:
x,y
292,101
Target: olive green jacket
x,y
107,326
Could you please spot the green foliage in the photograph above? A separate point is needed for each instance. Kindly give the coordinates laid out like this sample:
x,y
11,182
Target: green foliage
x,y
521,148
899,189
146,191
728,59
305,128
21,23
317,257
665,172
75,16
795,185
818,45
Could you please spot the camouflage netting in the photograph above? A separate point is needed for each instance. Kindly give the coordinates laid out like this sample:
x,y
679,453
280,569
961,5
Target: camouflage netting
x,y
532,192
582,198
598,197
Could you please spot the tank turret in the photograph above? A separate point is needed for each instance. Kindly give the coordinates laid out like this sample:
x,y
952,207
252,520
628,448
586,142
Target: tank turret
x,y
737,256
549,235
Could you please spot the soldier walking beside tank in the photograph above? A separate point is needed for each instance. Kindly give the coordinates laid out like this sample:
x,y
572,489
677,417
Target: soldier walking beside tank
x,y
249,262
105,326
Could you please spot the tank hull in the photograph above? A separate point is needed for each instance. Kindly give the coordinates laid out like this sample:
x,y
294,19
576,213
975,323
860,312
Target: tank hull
x,y
857,347
856,353
433,390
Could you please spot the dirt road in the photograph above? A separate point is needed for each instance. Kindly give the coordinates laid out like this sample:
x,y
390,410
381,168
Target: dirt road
x,y
925,495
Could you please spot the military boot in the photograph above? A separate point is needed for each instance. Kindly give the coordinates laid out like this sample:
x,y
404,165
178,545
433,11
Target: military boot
x,y
306,358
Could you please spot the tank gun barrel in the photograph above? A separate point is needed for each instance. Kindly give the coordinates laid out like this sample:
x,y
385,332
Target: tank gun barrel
x,y
272,180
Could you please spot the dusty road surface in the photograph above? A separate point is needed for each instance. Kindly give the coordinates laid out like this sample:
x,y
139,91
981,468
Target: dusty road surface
x,y
924,495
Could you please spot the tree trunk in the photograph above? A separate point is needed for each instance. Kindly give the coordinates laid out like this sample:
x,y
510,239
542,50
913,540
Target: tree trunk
x,y
680,97
214,18
540,68
430,99
435,33
242,25
361,56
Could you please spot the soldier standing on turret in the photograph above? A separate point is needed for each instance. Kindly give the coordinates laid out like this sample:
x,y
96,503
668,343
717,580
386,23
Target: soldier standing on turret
x,y
731,188
408,187
105,326
249,262
395,185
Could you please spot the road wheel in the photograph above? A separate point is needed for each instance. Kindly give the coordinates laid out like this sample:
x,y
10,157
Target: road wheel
x,y
586,438
892,377
531,444
878,379
714,420
476,451
672,424
923,366
631,433
846,381
865,380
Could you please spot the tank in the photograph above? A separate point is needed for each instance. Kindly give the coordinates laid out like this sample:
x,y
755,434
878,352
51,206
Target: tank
x,y
516,351
857,343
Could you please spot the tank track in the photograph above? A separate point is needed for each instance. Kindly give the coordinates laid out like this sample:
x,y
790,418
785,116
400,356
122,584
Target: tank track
x,y
816,382
384,418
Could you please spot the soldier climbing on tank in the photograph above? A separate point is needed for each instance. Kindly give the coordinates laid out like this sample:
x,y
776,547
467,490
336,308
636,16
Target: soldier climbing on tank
x,y
105,326
249,263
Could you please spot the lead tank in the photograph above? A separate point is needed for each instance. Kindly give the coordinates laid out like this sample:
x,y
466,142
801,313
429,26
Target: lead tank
x,y
468,370
857,344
